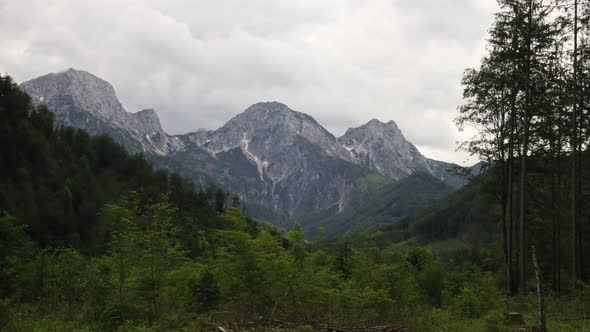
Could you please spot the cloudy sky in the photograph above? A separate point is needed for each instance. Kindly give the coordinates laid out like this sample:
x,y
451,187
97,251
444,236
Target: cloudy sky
x,y
198,63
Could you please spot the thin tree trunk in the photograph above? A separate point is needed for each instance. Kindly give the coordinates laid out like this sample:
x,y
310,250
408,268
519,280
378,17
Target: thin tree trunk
x,y
574,191
540,296
505,224
510,228
579,194
523,216
558,209
516,223
504,170
512,232
560,134
508,220
523,160
554,216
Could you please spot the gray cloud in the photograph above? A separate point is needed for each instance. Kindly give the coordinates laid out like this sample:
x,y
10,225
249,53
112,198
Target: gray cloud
x,y
198,63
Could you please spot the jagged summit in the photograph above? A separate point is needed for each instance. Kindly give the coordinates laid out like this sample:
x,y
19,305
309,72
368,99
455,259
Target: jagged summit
x,y
272,109
272,125
375,128
377,122
268,106
78,87
83,100
80,73
267,110
148,112
149,119
383,147
269,154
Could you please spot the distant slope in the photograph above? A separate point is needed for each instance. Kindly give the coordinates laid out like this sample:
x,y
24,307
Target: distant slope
x,y
317,182
382,147
55,179
272,157
469,213
82,100
377,207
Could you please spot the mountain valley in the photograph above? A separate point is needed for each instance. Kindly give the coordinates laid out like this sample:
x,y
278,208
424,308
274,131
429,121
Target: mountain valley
x,y
272,157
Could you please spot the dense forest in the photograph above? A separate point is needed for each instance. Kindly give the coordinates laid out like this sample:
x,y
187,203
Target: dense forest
x,y
93,238
529,101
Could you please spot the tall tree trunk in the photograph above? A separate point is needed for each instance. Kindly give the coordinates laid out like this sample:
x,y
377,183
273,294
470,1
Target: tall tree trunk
x,y
523,214
574,138
505,222
510,198
580,170
508,220
504,167
523,160
554,217
540,297
558,208
516,219
512,147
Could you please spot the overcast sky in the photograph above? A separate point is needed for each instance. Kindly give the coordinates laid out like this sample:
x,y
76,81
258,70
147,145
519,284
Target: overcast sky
x,y
198,63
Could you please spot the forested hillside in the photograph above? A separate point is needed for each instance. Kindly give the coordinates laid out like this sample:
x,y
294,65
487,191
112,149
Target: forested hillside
x,y
56,179
148,252
469,214
93,238
379,205
528,101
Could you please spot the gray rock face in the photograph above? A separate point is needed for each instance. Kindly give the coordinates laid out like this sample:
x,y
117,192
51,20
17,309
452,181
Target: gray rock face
x,y
382,147
82,100
266,131
292,158
75,88
198,137
270,155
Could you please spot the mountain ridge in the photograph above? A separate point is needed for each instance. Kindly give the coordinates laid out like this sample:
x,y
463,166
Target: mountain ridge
x,y
83,100
269,154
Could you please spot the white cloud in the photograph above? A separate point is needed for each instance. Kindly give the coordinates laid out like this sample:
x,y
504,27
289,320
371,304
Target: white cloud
x,y
200,62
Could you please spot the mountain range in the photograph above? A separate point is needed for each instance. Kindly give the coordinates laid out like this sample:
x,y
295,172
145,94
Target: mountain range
x,y
278,160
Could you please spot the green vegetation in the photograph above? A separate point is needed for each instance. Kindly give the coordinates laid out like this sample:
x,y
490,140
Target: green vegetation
x,y
146,280
95,239
468,214
386,203
528,101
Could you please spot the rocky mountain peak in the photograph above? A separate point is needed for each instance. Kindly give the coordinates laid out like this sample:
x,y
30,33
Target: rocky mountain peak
x,y
148,119
269,154
383,147
379,123
76,88
375,129
83,100
270,126
286,149
275,113
375,122
268,106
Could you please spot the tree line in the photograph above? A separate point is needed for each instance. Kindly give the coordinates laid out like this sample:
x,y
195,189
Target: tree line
x,y
529,101
94,239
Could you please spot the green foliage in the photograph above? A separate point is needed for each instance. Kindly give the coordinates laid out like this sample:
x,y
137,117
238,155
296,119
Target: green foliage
x,y
234,219
470,213
93,239
296,239
55,179
386,204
